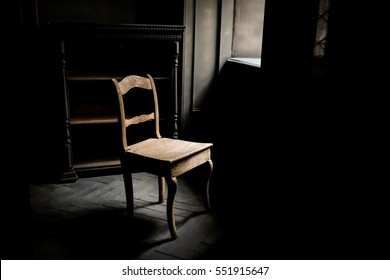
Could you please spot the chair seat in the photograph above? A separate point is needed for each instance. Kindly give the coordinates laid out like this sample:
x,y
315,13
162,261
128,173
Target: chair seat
x,y
167,149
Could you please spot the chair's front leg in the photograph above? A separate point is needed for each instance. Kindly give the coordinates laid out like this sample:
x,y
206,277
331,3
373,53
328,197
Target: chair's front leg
x,y
172,188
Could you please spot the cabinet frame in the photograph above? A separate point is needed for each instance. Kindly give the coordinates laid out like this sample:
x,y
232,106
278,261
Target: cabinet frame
x,y
148,34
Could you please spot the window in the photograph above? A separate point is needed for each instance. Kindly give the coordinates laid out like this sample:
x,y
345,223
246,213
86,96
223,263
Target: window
x,y
247,31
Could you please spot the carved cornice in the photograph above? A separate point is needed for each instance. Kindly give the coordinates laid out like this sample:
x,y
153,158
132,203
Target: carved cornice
x,y
118,31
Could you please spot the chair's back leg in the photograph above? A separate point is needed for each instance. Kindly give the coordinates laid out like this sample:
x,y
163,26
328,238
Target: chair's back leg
x,y
128,182
161,189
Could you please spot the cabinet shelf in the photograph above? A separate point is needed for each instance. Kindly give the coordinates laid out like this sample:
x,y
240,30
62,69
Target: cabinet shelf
x,y
99,163
97,167
78,76
93,77
94,120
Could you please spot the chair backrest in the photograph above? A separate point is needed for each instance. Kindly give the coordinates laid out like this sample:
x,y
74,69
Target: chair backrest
x,y
127,86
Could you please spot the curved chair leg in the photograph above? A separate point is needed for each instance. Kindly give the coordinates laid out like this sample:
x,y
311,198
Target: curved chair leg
x,y
161,189
172,188
206,197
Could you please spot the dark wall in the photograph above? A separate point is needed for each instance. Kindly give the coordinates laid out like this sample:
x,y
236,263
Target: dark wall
x,y
111,12
356,80
16,240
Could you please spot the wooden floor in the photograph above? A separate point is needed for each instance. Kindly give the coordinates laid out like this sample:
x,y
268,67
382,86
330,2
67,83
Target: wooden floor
x,y
87,220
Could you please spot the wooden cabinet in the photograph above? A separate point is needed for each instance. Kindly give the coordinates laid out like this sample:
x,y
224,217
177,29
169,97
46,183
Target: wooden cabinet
x,y
90,55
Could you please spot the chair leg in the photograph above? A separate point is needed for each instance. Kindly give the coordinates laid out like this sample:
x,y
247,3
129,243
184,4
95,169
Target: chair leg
x,y
206,196
161,189
128,182
172,188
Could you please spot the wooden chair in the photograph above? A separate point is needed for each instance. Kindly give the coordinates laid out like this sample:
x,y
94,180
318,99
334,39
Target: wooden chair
x,y
167,158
